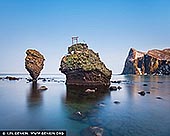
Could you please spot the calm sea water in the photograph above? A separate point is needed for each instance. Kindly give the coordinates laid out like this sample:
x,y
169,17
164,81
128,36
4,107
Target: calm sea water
x,y
22,106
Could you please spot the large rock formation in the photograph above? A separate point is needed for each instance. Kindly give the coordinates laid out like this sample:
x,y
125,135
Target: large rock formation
x,y
82,66
154,62
34,63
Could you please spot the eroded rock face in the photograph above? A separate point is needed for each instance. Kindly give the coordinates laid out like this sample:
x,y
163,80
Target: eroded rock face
x,y
34,63
82,66
154,62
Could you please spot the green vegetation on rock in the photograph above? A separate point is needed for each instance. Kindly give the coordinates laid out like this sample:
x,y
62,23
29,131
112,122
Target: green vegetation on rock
x,y
80,57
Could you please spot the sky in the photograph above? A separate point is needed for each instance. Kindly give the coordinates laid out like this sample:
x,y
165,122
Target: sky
x,y
109,27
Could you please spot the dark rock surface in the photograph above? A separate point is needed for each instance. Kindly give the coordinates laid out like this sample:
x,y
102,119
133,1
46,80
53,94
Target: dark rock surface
x,y
119,81
34,63
119,87
116,102
145,84
148,92
154,62
142,93
158,97
113,88
11,78
82,66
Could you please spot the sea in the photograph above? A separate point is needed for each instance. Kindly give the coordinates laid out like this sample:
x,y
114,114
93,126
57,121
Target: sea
x,y
121,112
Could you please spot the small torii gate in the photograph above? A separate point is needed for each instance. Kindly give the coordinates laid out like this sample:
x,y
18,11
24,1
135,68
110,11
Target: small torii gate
x,y
75,39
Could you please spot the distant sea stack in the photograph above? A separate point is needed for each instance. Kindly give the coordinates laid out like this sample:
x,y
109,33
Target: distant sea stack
x,y
82,66
34,63
153,62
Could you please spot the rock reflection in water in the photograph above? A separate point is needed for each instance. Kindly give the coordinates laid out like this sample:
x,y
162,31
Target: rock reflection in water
x,y
34,97
80,101
85,93
84,105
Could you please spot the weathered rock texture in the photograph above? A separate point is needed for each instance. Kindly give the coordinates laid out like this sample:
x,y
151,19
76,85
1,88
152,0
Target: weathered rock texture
x,y
82,66
34,63
154,62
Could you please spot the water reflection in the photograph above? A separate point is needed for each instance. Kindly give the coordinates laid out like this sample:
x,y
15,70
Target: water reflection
x,y
79,100
34,98
135,115
151,84
79,93
131,87
84,107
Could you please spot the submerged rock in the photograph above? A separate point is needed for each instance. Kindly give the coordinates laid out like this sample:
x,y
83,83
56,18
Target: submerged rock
x,y
145,84
78,116
142,93
28,80
78,94
119,87
82,66
154,62
119,81
102,104
34,63
116,102
113,88
158,97
148,92
92,131
43,88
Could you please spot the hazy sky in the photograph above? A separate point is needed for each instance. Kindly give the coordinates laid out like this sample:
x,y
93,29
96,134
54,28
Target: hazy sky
x,y
109,27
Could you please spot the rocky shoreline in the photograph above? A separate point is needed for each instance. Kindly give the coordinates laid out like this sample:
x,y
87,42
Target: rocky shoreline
x,y
84,93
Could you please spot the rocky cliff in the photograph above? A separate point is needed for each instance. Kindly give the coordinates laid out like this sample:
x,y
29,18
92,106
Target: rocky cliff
x,y
82,66
153,62
34,63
